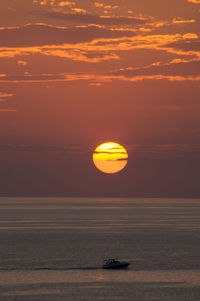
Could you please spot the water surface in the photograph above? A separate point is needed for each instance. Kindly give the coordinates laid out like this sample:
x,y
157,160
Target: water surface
x,y
52,249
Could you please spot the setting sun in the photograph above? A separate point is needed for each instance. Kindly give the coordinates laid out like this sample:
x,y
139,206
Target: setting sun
x,y
110,157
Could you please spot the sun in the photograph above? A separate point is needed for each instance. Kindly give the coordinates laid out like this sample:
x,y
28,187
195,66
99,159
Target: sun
x,y
110,157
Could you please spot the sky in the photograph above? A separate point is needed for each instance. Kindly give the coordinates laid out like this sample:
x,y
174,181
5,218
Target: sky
x,y
75,74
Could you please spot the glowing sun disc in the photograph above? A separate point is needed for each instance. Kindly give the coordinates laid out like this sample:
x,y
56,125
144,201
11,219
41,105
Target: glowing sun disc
x,y
110,157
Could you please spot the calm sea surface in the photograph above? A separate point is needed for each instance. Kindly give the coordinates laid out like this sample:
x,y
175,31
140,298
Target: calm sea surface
x,y
53,248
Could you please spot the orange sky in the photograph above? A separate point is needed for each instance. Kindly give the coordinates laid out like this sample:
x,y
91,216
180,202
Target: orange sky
x,y
75,74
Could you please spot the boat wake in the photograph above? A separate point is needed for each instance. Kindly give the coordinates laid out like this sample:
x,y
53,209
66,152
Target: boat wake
x,y
51,269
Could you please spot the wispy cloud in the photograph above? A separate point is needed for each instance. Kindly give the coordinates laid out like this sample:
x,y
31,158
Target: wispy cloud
x,y
176,70
105,6
138,150
54,2
4,95
164,150
9,110
88,13
65,3
89,43
4,105
194,1
40,148
183,21
109,152
187,45
43,34
96,19
22,63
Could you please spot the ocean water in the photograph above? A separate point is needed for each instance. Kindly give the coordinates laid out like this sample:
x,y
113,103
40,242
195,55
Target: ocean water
x,y
53,248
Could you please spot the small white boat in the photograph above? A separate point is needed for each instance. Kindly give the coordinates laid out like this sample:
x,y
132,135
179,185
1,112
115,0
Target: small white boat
x,y
114,264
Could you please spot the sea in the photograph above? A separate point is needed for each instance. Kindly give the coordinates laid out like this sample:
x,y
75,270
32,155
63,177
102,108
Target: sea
x,y
53,248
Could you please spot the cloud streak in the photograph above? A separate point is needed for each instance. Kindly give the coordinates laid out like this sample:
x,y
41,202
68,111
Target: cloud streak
x,y
5,95
187,45
141,150
174,71
3,102
9,110
43,34
96,19
175,68
194,1
165,150
90,44
39,148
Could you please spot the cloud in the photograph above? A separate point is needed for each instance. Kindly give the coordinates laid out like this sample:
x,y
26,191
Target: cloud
x,y
93,44
66,3
22,63
164,150
89,43
157,42
95,19
40,148
95,84
105,6
60,77
55,3
42,34
9,110
186,45
4,95
175,68
139,150
98,4
170,72
3,101
34,78
170,78
79,10
80,52
108,152
182,21
194,1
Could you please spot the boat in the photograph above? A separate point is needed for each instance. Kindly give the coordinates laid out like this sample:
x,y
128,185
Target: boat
x,y
114,263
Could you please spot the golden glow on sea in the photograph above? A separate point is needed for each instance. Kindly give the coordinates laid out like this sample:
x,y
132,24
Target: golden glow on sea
x,y
110,157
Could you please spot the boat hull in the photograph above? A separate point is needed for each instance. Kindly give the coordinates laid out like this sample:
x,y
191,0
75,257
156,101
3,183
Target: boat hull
x,y
116,266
